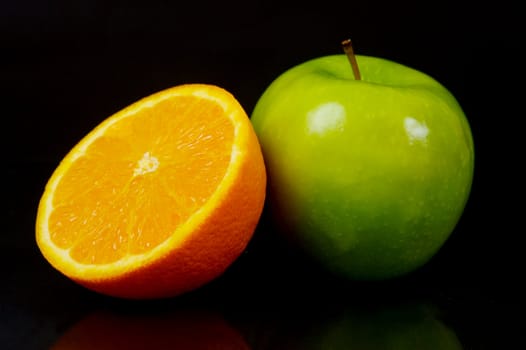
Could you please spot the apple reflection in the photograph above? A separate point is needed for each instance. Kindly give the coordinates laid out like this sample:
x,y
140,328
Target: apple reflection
x,y
407,327
181,330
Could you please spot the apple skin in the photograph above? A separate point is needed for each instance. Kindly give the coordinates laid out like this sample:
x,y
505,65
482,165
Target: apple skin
x,y
371,176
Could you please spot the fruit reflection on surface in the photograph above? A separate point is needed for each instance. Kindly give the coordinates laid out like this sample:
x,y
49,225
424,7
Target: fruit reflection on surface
x,y
186,330
402,327
368,176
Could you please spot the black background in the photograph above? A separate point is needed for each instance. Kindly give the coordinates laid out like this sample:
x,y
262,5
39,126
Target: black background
x,y
66,66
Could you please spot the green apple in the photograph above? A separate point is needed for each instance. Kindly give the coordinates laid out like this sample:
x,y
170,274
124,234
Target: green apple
x,y
369,176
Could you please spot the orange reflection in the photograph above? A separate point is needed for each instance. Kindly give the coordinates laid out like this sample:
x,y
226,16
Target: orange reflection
x,y
181,330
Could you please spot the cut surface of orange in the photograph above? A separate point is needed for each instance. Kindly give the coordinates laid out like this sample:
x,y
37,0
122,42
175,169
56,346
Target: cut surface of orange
x,y
157,200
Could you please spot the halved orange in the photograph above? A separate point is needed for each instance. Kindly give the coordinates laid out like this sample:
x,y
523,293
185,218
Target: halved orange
x,y
159,199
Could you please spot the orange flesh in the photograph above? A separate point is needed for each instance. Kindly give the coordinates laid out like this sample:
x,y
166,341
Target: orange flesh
x,y
141,195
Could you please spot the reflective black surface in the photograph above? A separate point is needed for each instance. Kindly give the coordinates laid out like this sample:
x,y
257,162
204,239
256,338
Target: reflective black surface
x,y
66,67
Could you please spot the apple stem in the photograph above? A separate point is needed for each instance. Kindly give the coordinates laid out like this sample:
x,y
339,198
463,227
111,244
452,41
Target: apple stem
x,y
347,48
